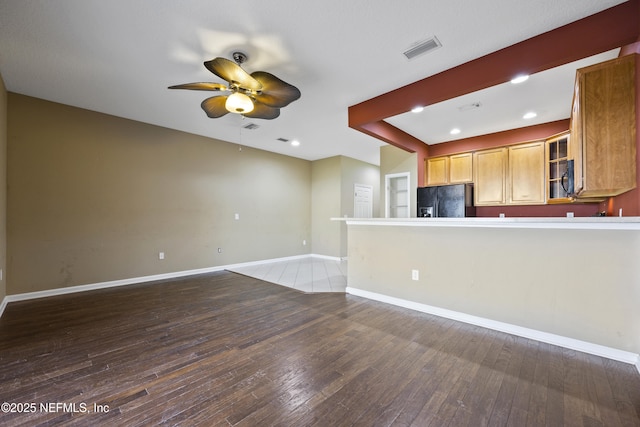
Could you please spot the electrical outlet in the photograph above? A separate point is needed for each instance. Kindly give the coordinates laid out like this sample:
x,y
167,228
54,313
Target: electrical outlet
x,y
160,255
415,275
304,243
237,216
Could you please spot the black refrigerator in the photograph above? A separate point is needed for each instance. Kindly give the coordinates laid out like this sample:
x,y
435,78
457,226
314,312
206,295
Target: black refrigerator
x,y
450,201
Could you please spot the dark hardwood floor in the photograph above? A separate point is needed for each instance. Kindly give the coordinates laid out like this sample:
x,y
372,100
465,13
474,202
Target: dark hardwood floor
x,y
224,349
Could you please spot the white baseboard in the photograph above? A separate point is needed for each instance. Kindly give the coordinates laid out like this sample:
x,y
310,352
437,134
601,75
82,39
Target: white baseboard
x,y
327,257
583,346
135,280
3,305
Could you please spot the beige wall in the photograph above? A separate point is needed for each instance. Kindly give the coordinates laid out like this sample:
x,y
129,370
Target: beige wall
x,y
325,204
95,198
394,160
581,284
356,172
3,189
333,181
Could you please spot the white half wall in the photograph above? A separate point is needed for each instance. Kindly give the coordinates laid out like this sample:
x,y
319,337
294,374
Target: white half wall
x,y
580,284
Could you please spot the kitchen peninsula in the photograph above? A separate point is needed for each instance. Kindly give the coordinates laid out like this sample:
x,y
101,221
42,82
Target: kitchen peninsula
x,y
572,282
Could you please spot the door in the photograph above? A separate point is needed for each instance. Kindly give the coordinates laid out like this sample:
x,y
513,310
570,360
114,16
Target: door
x,y
526,174
489,169
397,192
427,202
438,170
461,168
362,201
451,201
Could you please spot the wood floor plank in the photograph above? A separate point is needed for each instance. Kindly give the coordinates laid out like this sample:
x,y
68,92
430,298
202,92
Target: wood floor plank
x,y
538,401
222,349
514,351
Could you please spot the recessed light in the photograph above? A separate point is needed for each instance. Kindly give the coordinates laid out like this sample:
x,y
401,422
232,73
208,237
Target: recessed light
x,y
519,79
454,131
417,109
529,115
295,143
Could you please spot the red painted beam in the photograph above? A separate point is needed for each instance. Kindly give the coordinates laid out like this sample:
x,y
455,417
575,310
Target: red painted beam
x,y
394,136
609,29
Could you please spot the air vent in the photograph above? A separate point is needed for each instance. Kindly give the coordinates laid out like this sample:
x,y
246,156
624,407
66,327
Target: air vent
x,y
422,47
283,139
251,126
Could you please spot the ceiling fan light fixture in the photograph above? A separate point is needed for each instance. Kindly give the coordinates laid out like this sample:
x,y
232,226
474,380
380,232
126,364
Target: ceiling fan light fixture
x,y
259,95
239,103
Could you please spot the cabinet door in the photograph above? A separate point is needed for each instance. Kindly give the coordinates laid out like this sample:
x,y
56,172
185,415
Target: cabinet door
x,y
557,167
606,119
526,174
575,149
438,171
490,167
461,168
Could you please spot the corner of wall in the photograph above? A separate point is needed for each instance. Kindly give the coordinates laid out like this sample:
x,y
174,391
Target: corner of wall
x,y
3,194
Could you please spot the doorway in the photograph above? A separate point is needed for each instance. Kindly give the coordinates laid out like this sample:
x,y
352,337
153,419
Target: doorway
x,y
397,195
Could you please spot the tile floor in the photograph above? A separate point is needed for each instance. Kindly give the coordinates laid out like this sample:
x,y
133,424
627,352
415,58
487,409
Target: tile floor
x,y
308,274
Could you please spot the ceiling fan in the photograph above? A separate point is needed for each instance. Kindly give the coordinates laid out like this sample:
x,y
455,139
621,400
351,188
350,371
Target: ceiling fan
x,y
258,95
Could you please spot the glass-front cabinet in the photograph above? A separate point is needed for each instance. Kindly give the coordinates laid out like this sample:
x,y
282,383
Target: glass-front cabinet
x,y
557,168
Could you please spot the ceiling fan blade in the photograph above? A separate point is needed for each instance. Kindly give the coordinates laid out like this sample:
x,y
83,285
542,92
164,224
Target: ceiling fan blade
x,y
261,111
214,106
275,92
233,73
200,86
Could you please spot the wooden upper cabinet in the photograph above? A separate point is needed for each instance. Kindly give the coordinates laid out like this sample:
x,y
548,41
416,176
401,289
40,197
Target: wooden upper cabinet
x,y
437,170
557,168
513,175
490,168
526,177
461,168
454,169
603,128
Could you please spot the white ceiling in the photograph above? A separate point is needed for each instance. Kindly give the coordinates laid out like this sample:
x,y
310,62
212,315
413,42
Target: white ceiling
x,y
119,56
548,94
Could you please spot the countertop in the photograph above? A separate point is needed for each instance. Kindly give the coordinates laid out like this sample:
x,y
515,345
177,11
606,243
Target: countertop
x,y
591,223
